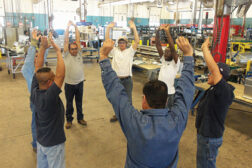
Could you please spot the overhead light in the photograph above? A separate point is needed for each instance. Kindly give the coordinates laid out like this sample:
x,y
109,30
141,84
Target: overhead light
x,y
125,2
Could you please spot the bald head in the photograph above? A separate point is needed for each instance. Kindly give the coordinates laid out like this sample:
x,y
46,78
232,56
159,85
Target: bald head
x,y
45,77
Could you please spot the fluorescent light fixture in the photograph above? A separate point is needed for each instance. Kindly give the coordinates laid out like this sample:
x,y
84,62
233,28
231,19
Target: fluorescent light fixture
x,y
125,2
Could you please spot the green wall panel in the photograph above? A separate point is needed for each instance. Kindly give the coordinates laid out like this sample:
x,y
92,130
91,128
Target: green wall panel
x,y
40,20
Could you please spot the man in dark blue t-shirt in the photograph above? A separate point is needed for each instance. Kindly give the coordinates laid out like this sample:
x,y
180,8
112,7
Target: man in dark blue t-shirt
x,y
45,90
212,111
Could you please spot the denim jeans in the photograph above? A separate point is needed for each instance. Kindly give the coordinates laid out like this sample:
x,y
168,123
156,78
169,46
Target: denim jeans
x,y
72,91
51,157
33,126
128,85
207,151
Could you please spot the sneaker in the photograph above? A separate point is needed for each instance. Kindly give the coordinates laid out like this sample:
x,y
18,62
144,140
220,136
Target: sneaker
x,y
34,150
113,119
82,122
68,125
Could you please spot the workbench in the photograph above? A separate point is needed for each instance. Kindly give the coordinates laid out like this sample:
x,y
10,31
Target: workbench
x,y
91,50
238,93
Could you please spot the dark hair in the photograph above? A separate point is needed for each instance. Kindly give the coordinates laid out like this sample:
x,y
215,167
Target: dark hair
x,y
69,45
41,80
156,94
43,70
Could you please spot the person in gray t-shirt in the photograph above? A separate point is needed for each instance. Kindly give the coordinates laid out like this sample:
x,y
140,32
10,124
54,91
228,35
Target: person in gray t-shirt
x,y
74,77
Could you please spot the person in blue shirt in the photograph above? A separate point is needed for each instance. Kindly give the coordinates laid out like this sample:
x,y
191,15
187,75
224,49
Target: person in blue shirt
x,y
28,72
152,134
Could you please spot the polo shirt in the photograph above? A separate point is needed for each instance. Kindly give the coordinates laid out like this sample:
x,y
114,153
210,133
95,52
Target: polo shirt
x,y
122,61
212,109
74,68
49,114
168,72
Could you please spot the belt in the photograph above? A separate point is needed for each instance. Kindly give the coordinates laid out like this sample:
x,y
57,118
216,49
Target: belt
x,y
127,77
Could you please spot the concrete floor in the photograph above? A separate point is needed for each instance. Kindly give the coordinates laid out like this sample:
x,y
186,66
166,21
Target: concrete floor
x,y
101,143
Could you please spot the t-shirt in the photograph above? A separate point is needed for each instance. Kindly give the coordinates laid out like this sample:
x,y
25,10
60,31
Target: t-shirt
x,y
122,61
212,109
168,72
49,114
74,68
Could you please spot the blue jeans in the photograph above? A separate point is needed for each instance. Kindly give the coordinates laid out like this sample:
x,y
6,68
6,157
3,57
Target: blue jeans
x,y
33,126
128,85
207,151
51,157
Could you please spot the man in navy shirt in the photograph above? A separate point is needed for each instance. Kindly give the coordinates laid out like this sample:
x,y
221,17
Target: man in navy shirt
x,y
45,90
153,134
212,110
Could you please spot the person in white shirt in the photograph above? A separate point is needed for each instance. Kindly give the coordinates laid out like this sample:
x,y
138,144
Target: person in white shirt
x,y
123,59
74,77
170,63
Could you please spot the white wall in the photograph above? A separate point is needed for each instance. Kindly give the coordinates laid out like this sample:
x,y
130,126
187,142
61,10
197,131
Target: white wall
x,y
64,11
141,11
19,6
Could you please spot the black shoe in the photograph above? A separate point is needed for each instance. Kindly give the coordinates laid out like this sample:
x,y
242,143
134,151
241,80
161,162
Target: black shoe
x,y
113,119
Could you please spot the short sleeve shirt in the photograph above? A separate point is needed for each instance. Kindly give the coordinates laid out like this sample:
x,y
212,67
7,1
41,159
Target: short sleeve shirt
x,y
212,109
74,68
168,72
122,61
49,114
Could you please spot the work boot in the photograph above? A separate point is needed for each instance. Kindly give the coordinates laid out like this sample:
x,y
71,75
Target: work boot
x,y
82,122
68,125
113,119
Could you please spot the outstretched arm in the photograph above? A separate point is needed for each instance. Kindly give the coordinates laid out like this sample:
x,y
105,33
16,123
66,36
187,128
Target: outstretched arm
x,y
133,27
109,27
185,85
40,60
60,68
170,42
211,64
158,44
77,36
66,40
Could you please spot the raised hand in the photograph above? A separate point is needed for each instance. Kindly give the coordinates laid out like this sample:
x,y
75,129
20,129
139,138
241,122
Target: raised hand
x,y
70,23
44,42
165,28
206,44
106,48
185,46
111,25
132,24
54,45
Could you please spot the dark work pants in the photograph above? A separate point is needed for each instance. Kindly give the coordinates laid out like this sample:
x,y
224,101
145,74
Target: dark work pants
x,y
72,91
128,85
